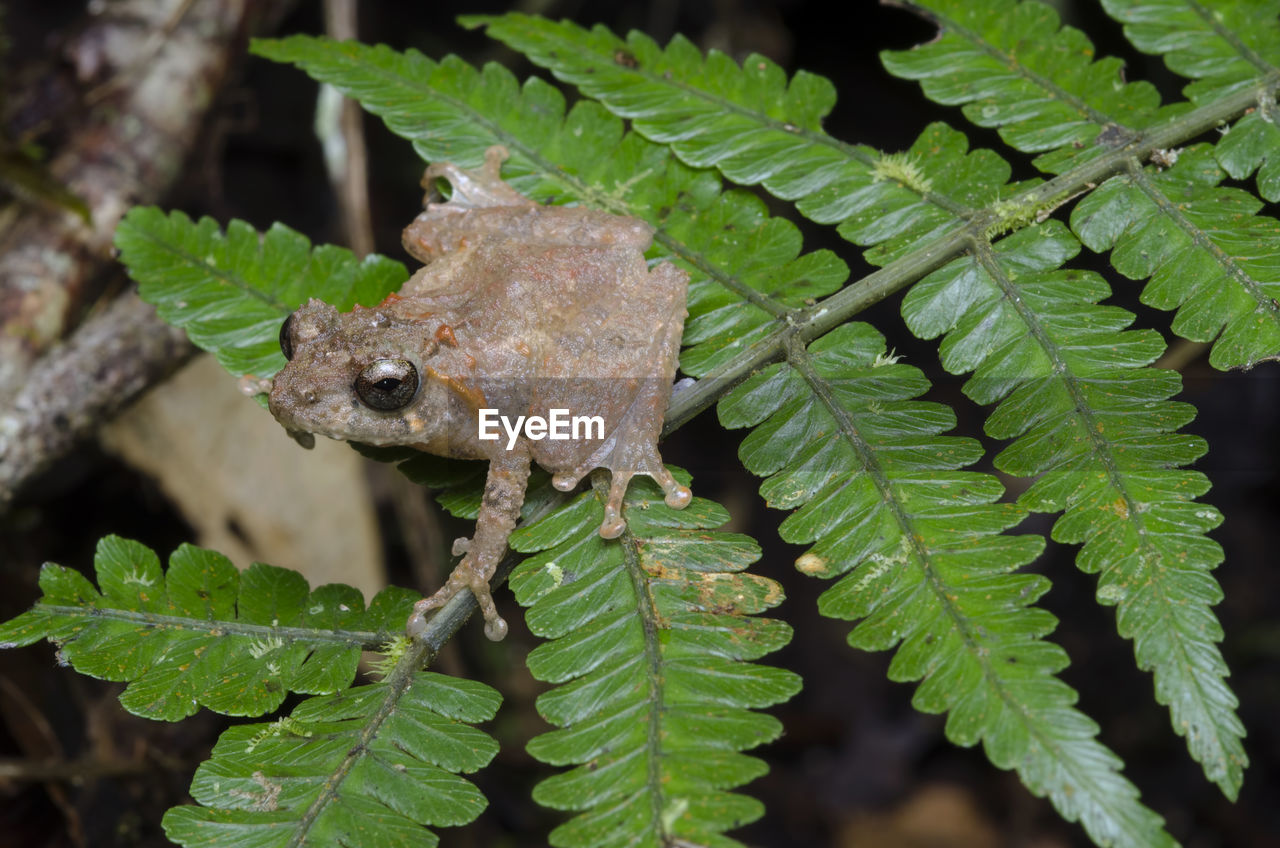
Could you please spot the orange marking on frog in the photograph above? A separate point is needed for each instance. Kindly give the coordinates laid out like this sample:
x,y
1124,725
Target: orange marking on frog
x,y
444,335
463,387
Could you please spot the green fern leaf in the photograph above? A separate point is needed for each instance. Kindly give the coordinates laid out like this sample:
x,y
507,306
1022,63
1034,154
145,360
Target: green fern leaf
x,y
714,113
451,111
1224,45
649,639
1098,432
918,546
1253,144
376,764
231,291
378,759
203,633
1206,251
1013,67
756,129
1041,89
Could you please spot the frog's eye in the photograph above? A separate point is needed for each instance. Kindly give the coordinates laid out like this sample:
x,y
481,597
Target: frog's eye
x,y
286,337
387,384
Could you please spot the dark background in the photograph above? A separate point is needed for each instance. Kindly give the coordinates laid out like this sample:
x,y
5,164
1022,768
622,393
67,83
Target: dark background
x,y
856,764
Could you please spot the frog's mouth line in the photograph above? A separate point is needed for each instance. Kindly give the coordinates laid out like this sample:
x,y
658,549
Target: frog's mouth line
x,y
306,436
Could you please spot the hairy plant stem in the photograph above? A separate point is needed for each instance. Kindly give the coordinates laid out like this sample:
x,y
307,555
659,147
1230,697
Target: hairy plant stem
x,y
421,652
814,321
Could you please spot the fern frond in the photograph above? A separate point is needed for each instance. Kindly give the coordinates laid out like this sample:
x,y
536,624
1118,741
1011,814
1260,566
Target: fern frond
x,y
1012,66
378,759
753,126
203,633
231,291
1207,252
1098,431
918,547
649,643
376,764
451,111
745,122
1224,45
1001,61
1110,468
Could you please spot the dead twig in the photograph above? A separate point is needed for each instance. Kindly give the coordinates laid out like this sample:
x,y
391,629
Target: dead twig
x,y
143,77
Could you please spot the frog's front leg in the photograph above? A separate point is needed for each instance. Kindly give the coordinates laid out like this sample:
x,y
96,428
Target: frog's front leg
x,y
499,510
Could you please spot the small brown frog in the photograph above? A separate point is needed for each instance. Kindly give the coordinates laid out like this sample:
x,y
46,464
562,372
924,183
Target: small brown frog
x,y
532,333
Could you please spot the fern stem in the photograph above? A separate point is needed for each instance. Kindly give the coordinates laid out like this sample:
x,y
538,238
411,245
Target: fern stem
x,y
416,656
647,611
368,640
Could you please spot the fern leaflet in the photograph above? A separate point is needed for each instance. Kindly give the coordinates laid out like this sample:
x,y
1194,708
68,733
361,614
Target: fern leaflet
x,y
754,127
1084,409
378,759
1207,254
925,565
1013,67
1178,226
1098,432
203,633
1224,45
648,643
231,291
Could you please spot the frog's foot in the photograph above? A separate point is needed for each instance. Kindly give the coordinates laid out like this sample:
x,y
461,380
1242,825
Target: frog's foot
x,y
467,575
475,188
676,495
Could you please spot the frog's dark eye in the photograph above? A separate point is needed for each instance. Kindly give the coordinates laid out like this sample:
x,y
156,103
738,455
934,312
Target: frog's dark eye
x,y
286,337
387,384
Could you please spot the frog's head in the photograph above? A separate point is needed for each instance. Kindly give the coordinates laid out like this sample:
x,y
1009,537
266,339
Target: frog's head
x,y
360,375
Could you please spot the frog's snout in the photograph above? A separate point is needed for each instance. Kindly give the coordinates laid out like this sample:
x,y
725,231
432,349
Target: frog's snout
x,y
289,403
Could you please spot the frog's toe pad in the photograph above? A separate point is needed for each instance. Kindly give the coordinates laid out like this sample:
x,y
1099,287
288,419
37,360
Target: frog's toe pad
x,y
677,496
465,576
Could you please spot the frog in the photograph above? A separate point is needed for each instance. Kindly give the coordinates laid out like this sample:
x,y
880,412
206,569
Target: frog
x,y
520,312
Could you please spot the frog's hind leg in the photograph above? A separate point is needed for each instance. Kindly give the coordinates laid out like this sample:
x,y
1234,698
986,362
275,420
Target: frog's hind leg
x,y
499,510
